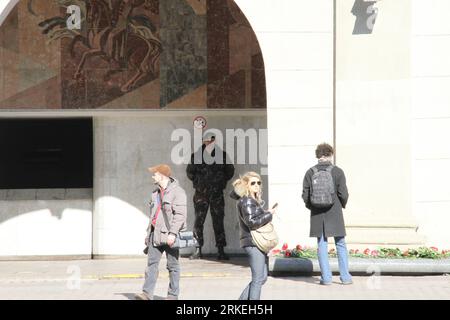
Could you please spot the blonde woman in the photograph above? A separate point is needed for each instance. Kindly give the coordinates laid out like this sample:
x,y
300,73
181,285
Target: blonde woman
x,y
248,193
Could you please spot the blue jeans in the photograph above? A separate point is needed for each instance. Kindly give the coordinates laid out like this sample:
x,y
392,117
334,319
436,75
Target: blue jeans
x,y
258,264
342,254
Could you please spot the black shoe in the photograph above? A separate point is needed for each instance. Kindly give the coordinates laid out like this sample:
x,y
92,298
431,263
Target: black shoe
x,y
197,254
222,255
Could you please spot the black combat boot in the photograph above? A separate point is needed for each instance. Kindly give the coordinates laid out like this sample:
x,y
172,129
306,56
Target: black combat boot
x,y
222,255
197,254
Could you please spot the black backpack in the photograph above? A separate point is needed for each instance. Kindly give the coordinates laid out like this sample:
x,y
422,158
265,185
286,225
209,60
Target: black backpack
x,y
322,188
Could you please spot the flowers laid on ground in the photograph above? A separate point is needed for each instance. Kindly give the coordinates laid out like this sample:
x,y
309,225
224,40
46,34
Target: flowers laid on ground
x,y
393,253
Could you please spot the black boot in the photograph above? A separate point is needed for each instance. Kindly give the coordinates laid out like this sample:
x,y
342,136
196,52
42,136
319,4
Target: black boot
x,y
197,254
222,255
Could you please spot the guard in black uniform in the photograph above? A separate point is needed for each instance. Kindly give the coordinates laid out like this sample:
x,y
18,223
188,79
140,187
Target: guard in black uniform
x,y
209,179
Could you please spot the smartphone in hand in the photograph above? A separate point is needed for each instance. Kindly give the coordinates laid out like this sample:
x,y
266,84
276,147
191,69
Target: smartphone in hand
x,y
275,205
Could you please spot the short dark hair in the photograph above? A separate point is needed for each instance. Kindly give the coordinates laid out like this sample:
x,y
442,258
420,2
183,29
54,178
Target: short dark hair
x,y
324,150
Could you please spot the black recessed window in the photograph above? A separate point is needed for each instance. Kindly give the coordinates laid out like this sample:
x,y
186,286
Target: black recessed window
x,y
46,153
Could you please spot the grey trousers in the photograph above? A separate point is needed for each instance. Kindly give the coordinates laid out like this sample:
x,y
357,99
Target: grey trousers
x,y
152,271
259,265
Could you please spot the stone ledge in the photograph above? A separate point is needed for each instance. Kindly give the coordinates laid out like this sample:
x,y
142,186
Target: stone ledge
x,y
46,258
360,266
45,194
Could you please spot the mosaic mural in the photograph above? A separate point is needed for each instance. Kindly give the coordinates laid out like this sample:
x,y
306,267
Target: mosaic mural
x,y
134,54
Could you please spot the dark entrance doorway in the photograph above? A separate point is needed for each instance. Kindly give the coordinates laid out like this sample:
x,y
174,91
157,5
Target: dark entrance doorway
x,y
46,153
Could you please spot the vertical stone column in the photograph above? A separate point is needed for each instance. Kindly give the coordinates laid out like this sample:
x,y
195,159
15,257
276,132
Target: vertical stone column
x,y
296,38
373,127
431,119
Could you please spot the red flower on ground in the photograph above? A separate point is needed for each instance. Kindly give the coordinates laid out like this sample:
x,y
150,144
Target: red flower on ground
x,y
299,247
284,247
374,253
356,251
275,251
367,251
434,249
287,254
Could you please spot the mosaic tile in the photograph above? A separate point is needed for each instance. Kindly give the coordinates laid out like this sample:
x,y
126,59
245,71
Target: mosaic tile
x,y
139,54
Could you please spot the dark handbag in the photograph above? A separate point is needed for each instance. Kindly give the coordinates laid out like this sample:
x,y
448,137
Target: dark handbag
x,y
185,239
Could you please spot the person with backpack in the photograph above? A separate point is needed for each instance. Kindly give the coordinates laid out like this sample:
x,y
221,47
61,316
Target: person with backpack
x,y
325,194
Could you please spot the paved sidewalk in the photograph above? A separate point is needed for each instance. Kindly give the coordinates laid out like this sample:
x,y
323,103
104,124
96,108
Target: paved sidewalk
x,y
114,269
203,279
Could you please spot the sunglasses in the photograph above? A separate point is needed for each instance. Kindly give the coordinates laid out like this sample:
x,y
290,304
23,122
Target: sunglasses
x,y
254,182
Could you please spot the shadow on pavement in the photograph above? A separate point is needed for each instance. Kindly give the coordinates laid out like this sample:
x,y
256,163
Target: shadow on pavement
x,y
305,279
234,260
130,296
242,261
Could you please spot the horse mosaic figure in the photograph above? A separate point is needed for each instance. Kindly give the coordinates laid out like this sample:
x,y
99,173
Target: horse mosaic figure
x,y
112,33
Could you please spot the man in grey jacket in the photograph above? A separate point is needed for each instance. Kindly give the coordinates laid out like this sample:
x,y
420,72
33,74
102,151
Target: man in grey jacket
x,y
167,218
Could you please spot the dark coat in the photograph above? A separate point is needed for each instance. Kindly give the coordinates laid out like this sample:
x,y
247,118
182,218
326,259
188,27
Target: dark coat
x,y
210,178
251,217
330,221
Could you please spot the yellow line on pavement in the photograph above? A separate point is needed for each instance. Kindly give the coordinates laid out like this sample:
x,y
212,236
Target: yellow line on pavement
x,y
164,275
122,276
